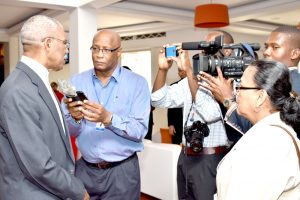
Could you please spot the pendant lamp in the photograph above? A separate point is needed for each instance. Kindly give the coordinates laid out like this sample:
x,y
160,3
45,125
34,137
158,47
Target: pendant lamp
x,y
211,16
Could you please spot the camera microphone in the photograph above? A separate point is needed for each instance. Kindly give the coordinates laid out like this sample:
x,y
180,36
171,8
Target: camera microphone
x,y
194,45
254,46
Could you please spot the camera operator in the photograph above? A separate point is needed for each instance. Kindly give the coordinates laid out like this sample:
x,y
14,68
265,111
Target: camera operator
x,y
283,45
222,88
199,114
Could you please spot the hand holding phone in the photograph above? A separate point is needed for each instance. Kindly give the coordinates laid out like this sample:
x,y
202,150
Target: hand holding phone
x,y
79,97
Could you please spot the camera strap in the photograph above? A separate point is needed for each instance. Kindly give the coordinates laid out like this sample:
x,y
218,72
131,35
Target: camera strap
x,y
294,141
187,118
249,49
184,150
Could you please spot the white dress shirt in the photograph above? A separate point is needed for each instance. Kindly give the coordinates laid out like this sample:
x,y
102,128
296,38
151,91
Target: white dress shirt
x,y
206,109
43,73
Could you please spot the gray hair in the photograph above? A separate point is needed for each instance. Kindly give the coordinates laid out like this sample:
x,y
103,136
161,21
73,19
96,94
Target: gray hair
x,y
37,28
274,78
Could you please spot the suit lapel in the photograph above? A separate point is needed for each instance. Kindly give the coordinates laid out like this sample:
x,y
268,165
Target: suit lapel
x,y
52,108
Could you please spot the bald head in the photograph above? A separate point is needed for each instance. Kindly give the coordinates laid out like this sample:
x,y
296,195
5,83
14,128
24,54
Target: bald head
x,y
106,51
228,39
111,36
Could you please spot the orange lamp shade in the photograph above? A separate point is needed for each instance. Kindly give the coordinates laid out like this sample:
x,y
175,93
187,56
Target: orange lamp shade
x,y
211,16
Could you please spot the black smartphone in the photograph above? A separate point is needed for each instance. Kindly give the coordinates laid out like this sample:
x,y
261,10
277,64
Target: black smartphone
x,y
81,95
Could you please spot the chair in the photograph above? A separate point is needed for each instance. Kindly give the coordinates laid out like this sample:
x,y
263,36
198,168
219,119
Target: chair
x,y
165,136
158,167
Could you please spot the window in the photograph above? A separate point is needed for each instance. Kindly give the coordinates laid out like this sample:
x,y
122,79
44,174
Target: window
x,y
139,62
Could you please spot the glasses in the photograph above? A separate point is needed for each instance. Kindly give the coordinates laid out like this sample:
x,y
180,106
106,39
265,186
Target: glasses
x,y
237,88
103,51
65,42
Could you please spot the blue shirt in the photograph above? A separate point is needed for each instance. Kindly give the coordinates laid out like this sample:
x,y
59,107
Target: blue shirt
x,y
127,97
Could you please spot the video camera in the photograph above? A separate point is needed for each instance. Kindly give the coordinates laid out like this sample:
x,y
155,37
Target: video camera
x,y
231,66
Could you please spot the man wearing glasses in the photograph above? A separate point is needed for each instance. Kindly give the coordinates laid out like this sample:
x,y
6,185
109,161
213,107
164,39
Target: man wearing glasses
x,y
36,159
111,124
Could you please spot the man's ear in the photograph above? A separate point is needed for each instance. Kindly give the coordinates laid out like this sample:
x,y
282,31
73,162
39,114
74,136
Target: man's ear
x,y
119,52
47,43
295,54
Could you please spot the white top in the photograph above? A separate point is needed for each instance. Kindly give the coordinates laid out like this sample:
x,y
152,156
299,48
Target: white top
x,y
43,73
263,165
206,109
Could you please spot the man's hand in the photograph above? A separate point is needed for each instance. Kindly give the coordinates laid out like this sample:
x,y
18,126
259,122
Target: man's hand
x,y
164,65
183,61
95,112
163,62
172,130
220,87
74,108
86,196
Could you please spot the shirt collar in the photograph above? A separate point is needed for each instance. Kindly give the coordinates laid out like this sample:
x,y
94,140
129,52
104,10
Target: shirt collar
x,y
37,67
293,68
115,75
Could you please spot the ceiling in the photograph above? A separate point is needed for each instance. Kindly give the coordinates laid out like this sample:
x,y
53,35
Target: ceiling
x,y
130,17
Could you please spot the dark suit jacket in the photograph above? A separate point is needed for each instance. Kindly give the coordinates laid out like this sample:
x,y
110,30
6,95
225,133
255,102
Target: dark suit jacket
x,y
295,80
36,160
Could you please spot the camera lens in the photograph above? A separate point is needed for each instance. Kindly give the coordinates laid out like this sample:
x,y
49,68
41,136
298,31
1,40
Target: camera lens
x,y
195,134
197,147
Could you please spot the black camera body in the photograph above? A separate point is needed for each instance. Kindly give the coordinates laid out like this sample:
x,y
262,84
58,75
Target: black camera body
x,y
231,66
195,134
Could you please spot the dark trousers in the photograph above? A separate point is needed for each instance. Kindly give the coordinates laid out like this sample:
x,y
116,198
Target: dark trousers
x,y
177,138
121,182
196,176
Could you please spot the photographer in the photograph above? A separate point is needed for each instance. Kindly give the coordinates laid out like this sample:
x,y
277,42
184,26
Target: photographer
x,y
282,45
222,89
200,167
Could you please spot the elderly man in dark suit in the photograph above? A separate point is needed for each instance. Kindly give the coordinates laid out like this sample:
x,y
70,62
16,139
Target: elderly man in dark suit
x,y
36,160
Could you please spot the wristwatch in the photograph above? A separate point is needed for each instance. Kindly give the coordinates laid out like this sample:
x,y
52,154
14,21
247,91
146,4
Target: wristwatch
x,y
78,121
227,103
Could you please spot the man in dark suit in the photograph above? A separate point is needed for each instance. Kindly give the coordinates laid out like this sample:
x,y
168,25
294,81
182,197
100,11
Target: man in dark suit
x,y
175,117
36,160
